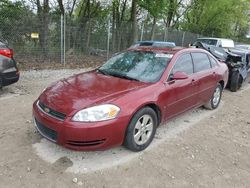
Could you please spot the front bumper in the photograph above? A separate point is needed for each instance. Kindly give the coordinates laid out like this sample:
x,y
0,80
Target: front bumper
x,y
78,135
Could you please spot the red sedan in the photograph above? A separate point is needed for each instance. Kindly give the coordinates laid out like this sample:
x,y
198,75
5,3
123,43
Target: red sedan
x,y
124,100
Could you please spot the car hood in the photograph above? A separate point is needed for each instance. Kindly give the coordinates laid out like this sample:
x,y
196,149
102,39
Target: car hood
x,y
86,89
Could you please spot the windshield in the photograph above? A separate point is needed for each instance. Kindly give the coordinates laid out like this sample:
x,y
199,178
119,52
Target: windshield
x,y
135,65
208,41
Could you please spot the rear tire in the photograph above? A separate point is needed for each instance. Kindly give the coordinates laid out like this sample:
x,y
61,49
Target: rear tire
x,y
214,102
235,83
141,129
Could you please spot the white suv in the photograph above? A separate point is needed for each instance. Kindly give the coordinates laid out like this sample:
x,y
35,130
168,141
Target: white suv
x,y
219,42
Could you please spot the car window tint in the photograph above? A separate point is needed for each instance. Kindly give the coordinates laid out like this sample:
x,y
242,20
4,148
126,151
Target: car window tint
x,y
213,62
201,61
184,64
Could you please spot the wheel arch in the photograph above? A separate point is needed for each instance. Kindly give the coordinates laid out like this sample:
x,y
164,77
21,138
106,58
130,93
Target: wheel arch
x,y
157,110
222,83
152,105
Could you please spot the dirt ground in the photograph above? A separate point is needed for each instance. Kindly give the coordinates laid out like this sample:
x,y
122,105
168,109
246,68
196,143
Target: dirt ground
x,y
201,148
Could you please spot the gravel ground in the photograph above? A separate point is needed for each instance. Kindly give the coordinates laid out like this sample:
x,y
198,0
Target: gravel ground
x,y
201,148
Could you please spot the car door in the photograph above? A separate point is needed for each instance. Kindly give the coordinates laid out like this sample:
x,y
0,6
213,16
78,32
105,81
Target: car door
x,y
181,95
205,74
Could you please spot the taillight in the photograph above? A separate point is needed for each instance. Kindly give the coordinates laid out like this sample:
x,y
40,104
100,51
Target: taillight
x,y
6,52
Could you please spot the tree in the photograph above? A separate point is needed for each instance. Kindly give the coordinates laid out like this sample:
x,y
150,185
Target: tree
x,y
216,18
133,19
15,20
61,7
43,16
119,18
87,12
157,9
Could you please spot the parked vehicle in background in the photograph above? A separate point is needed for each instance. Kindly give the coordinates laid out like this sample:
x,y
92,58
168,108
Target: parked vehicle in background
x,y
124,100
154,44
243,46
218,42
237,61
239,69
9,73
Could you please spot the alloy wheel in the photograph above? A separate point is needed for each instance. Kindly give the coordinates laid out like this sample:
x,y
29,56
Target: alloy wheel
x,y
217,96
143,129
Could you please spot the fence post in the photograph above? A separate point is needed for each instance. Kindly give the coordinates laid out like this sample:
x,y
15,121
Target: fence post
x,y
64,40
61,51
165,34
142,30
183,38
108,38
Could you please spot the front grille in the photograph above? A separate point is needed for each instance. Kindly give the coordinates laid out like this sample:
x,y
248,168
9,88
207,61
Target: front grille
x,y
46,132
51,112
86,143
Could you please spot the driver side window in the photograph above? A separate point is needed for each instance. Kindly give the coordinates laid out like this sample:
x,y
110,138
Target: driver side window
x,y
184,64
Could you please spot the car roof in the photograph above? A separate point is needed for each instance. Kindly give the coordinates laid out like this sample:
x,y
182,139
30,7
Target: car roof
x,y
153,43
168,50
213,38
157,49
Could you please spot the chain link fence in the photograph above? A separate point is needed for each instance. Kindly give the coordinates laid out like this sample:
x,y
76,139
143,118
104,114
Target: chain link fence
x,y
63,40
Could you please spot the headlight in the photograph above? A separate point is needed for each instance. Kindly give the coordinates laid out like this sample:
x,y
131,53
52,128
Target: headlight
x,y
97,113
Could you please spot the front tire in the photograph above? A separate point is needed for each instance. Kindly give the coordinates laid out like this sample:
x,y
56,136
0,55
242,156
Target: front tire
x,y
214,102
141,129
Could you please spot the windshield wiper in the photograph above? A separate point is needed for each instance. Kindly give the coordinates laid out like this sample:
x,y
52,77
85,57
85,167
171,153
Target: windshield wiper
x,y
123,76
116,75
129,78
103,71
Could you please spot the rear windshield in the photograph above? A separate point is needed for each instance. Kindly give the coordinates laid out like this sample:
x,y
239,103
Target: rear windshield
x,y
208,41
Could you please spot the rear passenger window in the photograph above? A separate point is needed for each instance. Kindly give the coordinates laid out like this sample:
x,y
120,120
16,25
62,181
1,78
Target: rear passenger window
x,y
213,62
201,61
184,64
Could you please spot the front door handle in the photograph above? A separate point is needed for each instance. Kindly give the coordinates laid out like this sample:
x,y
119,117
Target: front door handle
x,y
193,81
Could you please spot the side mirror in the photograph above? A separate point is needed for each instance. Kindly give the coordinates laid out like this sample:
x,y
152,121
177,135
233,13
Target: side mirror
x,y
179,76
